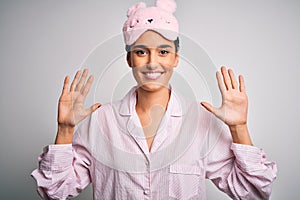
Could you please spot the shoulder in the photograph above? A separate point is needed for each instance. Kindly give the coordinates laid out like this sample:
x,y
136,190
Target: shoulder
x,y
187,104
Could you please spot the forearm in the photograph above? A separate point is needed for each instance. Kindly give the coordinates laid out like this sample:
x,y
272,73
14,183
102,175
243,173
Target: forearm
x,y
241,171
62,172
64,135
240,134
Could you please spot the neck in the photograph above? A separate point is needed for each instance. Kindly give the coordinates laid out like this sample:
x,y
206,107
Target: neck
x,y
146,100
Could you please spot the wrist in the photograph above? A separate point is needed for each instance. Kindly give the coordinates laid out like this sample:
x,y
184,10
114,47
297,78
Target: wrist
x,y
238,128
64,134
240,134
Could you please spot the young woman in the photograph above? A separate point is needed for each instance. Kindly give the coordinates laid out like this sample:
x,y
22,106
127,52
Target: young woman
x,y
153,143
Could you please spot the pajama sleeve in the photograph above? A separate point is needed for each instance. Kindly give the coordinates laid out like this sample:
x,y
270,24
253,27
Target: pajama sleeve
x,y
241,171
63,171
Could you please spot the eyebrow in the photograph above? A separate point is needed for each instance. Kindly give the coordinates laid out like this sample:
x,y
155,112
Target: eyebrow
x,y
163,46
139,47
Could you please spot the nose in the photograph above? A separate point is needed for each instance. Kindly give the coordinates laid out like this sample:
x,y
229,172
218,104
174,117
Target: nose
x,y
152,61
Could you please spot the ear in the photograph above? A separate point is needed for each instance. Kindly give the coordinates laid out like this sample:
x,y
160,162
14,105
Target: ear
x,y
128,58
176,61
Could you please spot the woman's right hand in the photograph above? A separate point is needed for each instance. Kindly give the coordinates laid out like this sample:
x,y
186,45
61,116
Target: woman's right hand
x,y
71,106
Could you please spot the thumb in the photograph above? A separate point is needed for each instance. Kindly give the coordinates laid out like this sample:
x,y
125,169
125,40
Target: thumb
x,y
216,111
94,107
207,106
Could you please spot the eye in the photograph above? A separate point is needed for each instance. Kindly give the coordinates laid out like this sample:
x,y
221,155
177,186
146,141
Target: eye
x,y
164,52
140,52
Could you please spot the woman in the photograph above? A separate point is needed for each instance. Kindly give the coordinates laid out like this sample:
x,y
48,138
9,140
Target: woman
x,y
153,143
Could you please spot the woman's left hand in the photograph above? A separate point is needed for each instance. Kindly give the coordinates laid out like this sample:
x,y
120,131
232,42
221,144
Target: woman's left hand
x,y
234,108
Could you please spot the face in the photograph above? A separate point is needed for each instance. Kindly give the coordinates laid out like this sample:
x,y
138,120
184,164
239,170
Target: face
x,y
152,59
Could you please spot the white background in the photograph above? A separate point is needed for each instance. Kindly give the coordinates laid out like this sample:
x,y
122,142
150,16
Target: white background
x,y
42,41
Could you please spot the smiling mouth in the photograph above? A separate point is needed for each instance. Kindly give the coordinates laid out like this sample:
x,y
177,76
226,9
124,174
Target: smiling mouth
x,y
152,75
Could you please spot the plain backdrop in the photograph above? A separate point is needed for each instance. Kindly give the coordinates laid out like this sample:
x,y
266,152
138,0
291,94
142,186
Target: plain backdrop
x,y
42,41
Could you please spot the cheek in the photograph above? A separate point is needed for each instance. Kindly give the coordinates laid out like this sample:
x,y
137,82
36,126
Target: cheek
x,y
170,72
169,61
138,61
136,73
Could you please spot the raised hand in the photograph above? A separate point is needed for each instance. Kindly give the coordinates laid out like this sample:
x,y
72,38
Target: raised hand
x,y
71,105
234,108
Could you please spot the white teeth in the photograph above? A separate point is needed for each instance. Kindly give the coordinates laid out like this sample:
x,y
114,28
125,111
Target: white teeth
x,y
153,75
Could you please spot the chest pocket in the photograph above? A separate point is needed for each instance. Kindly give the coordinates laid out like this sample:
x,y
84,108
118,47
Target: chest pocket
x,y
186,181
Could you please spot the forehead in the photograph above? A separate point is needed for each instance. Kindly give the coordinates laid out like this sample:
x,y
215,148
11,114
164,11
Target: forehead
x,y
153,39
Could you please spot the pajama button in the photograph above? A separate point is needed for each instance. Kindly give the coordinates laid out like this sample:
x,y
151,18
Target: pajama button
x,y
146,192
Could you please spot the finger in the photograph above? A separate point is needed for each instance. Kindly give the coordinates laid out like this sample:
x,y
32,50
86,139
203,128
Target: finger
x,y
233,79
75,80
82,80
215,111
221,83
207,106
86,88
66,85
93,108
242,83
226,78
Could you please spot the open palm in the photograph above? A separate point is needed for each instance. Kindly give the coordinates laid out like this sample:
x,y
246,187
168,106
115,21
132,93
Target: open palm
x,y
234,108
71,102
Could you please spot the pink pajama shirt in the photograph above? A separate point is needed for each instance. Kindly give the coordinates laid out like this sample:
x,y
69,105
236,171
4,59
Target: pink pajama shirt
x,y
110,151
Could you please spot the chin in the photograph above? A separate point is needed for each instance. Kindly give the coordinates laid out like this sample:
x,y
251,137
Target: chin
x,y
153,87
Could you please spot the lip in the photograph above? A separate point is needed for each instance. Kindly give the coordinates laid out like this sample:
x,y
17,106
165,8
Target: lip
x,y
152,75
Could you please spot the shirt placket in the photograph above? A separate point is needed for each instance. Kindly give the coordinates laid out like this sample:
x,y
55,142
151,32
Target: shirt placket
x,y
137,134
147,187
